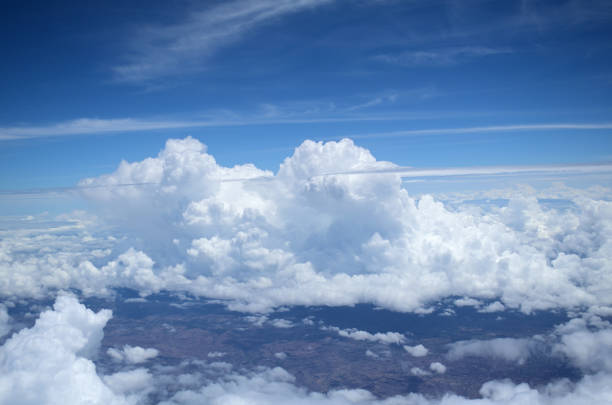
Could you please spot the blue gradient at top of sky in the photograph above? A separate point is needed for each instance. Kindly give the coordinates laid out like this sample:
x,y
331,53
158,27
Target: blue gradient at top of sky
x,y
291,70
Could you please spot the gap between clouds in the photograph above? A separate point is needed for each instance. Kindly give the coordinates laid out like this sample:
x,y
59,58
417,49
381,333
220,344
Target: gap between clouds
x,y
51,363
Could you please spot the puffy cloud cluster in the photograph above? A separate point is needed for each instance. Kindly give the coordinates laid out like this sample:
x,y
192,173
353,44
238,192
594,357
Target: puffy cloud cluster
x,y
50,362
312,234
277,386
386,337
333,226
587,343
508,349
437,367
416,351
132,354
37,255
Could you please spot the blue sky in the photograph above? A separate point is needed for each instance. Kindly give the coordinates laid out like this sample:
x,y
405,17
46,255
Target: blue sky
x,y
87,84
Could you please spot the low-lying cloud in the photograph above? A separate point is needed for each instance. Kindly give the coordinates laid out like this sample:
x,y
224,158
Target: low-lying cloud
x,y
51,363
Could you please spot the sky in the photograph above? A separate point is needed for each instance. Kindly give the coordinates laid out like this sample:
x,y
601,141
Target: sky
x,y
88,84
411,156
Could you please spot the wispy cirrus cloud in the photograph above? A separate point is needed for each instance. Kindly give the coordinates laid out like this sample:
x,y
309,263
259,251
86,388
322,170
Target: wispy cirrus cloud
x,y
84,126
411,172
179,48
88,126
489,128
408,173
439,57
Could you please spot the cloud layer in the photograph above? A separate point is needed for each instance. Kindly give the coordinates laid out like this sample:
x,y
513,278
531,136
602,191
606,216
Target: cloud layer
x,y
303,236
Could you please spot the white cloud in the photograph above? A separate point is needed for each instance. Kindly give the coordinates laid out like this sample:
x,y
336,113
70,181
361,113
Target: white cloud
x,y
440,57
306,237
281,323
137,382
276,386
132,354
493,307
419,372
257,320
509,349
49,364
167,50
589,349
488,129
417,351
437,367
87,126
371,354
280,355
355,334
308,321
467,302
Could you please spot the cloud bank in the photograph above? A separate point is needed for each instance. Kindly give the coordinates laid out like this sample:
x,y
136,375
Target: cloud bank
x,y
301,236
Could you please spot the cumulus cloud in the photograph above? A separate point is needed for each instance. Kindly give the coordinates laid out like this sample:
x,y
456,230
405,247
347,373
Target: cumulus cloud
x,y
333,226
50,362
493,307
281,323
419,372
467,302
257,320
386,337
509,349
134,384
437,367
371,354
416,351
305,237
587,343
132,354
277,386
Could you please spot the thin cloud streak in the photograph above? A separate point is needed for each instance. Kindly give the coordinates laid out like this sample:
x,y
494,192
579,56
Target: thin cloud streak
x,y
73,189
89,126
410,172
492,128
440,57
416,175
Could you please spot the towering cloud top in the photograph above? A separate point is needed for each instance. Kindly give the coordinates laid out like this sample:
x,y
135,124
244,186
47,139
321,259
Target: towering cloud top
x,y
334,226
